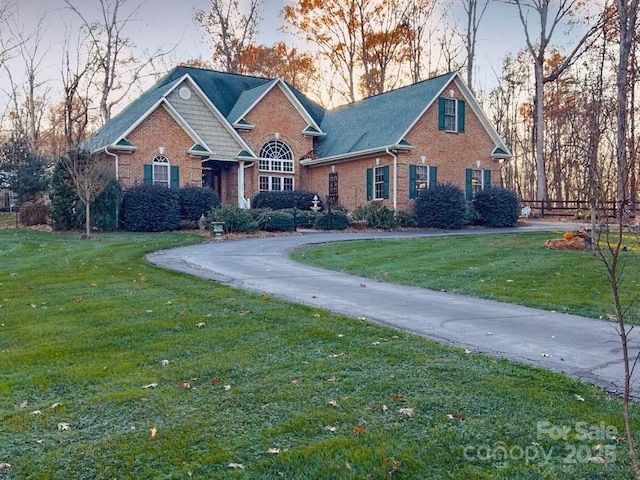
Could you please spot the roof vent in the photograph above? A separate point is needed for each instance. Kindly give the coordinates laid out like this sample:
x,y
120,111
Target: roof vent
x,y
185,93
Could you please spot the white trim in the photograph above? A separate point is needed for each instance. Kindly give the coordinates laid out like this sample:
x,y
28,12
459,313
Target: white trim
x,y
475,107
292,98
310,162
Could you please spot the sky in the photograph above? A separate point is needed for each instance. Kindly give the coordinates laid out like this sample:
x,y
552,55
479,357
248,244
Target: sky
x,y
169,24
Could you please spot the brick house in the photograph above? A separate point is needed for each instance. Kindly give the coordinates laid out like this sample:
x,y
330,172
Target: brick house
x,y
240,135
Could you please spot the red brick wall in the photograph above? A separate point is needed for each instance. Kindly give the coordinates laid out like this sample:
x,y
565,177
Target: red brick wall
x,y
275,113
159,129
451,152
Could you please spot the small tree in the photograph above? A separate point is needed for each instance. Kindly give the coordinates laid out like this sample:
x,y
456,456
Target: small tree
x,y
88,176
22,171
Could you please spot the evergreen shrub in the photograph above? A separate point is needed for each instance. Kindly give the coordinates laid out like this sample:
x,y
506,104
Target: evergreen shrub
x,y
441,206
338,220
235,219
150,208
300,199
197,201
497,207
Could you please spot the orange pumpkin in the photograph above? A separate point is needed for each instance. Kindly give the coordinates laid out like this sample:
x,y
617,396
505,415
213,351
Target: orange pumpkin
x,y
568,235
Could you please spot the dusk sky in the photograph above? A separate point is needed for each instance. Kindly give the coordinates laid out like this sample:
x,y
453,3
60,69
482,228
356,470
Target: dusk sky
x,y
164,24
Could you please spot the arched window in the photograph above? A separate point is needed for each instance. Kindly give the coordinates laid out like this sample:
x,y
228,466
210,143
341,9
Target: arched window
x,y
160,167
276,156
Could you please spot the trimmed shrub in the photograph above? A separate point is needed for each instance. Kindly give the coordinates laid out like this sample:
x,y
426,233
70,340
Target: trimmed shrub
x,y
406,220
197,201
441,206
235,219
497,207
276,221
62,201
376,216
299,199
150,208
338,220
305,218
105,208
34,215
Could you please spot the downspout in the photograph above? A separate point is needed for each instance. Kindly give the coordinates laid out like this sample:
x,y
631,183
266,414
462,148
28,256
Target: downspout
x,y
242,203
115,158
395,178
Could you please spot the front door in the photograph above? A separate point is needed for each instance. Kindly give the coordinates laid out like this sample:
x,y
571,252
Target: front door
x,y
211,176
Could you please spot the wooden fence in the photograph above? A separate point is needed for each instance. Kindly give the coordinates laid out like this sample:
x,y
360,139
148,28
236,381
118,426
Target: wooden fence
x,y
578,209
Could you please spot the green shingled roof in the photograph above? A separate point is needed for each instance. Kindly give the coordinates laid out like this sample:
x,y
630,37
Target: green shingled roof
x,y
230,93
379,121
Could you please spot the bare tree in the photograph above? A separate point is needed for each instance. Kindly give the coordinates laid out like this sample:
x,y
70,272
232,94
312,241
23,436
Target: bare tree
x,y
549,20
29,94
230,31
89,175
627,24
76,74
473,22
420,29
118,70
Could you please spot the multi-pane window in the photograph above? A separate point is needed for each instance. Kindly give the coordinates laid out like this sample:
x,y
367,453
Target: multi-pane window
x,y
422,178
450,115
276,156
160,168
378,182
476,181
274,183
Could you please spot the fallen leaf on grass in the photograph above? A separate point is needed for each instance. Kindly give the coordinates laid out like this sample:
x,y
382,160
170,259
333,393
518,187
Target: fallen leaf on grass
x,y
185,385
237,466
153,431
597,459
332,378
579,398
36,412
164,363
333,403
409,412
63,426
397,397
23,404
4,465
273,451
227,388
459,416
359,429
385,409
54,406
215,381
330,428
150,385
200,324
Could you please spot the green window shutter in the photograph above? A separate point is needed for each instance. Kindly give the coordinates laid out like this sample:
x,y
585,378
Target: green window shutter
x,y
385,185
468,179
433,176
369,183
147,173
441,102
412,181
486,179
175,177
461,109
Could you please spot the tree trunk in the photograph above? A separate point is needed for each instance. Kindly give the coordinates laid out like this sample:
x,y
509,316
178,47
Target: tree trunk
x,y
538,132
87,217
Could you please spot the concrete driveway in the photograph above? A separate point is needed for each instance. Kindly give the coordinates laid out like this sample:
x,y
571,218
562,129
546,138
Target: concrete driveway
x,y
583,348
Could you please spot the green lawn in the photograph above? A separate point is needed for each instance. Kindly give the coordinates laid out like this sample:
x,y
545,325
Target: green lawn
x,y
513,268
285,391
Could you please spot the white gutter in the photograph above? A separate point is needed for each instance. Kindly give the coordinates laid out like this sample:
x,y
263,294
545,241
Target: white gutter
x,y
115,157
395,179
309,162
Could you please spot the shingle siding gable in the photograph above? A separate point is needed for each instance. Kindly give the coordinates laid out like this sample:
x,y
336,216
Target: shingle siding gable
x,y
203,121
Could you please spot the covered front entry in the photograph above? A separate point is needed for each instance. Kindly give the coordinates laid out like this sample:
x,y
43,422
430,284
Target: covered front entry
x,y
212,176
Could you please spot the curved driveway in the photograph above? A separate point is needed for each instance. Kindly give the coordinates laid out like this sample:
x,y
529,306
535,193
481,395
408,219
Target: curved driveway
x,y
580,347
